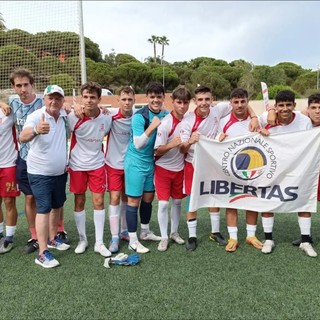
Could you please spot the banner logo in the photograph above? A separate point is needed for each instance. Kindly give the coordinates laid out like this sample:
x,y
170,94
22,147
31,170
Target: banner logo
x,y
248,163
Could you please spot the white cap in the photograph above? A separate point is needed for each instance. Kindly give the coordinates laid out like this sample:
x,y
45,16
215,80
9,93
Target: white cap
x,y
53,89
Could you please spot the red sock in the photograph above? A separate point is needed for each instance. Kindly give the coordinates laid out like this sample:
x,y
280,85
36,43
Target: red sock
x,y
33,233
61,226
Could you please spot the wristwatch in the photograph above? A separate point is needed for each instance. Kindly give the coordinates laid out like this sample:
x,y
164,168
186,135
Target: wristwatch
x,y
34,131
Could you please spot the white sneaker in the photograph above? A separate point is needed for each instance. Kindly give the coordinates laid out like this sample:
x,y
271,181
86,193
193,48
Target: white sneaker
x,y
163,245
138,247
46,260
176,238
149,235
57,243
5,246
81,247
268,246
101,248
308,249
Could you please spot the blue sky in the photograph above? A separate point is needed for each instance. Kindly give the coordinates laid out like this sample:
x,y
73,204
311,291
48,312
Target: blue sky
x,y
261,32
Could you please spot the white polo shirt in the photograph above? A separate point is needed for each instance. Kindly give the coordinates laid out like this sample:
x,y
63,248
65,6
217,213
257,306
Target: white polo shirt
x,y
8,141
48,152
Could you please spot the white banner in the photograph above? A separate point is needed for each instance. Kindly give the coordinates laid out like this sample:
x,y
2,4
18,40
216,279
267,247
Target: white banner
x,y
278,173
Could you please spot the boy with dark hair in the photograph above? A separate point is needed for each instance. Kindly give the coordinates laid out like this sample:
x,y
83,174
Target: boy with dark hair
x,y
117,145
139,166
203,121
169,167
86,165
287,121
313,111
8,185
27,102
233,125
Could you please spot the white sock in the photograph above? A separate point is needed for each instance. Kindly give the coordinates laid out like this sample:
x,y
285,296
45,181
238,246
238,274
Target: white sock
x,y
215,221
192,228
251,230
80,218
1,227
267,224
114,213
123,218
175,215
163,218
145,227
305,225
99,218
233,232
10,231
133,237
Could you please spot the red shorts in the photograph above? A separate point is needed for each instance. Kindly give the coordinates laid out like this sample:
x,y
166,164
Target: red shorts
x,y
188,177
95,179
168,183
8,182
115,179
319,189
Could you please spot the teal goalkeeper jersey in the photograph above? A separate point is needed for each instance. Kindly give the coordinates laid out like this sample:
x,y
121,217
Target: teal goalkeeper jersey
x,y
138,126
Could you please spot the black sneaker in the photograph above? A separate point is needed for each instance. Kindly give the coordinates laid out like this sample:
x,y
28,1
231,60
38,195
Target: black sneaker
x,y
297,242
62,236
217,237
191,244
31,246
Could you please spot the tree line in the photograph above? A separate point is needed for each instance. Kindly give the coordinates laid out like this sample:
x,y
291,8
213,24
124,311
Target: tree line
x,y
53,56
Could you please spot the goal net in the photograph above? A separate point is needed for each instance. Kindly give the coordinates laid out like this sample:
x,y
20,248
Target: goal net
x,y
42,36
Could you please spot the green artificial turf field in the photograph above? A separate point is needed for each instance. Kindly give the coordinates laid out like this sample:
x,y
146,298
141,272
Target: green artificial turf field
x,y
208,283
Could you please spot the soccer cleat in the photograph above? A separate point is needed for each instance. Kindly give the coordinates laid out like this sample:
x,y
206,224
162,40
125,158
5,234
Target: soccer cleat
x,y
232,245
149,235
114,245
101,248
255,242
46,260
5,246
56,243
138,247
191,244
308,249
217,237
81,247
62,235
297,242
124,235
32,246
268,246
163,245
176,238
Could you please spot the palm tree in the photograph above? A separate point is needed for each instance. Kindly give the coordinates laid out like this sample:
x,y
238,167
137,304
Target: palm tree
x,y
2,25
164,41
154,40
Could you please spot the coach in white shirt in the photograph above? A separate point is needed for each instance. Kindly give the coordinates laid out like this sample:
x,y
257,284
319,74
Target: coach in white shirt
x,y
46,129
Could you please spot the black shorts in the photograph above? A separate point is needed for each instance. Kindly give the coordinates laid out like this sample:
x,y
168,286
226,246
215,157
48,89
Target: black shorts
x,y
49,191
22,177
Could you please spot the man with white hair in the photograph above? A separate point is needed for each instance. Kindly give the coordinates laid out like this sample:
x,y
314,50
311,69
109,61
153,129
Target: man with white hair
x,y
46,130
